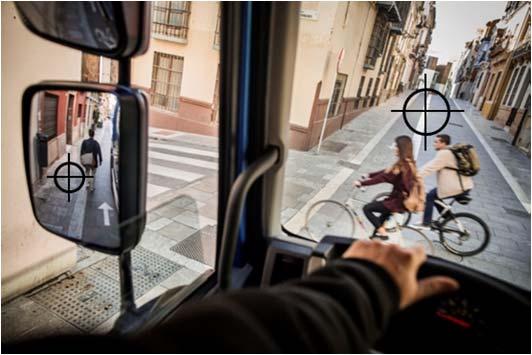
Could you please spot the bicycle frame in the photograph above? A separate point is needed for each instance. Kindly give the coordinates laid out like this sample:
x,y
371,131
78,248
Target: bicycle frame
x,y
446,208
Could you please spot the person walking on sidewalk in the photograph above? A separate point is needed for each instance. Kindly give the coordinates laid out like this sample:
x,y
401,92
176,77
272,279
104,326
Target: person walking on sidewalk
x,y
90,153
449,182
402,176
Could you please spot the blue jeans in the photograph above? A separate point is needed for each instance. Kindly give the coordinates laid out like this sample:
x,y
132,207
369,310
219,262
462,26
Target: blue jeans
x,y
429,206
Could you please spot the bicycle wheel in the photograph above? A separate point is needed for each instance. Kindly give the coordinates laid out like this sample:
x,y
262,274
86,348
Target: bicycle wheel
x,y
405,216
464,234
411,237
329,217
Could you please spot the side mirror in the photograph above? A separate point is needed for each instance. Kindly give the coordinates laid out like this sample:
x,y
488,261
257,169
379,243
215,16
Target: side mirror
x,y
81,141
112,29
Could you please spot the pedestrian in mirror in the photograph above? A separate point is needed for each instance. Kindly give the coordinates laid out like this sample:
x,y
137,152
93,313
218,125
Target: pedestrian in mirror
x,y
71,188
89,156
74,169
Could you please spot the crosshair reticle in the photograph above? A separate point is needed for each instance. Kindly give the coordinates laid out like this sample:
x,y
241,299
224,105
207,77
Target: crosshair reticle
x,y
425,90
69,176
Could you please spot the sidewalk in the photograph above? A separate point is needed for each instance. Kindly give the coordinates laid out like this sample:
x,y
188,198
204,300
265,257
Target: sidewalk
x,y
500,141
178,245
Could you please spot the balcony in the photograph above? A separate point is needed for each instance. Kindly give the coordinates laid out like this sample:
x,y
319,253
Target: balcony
x,y
390,9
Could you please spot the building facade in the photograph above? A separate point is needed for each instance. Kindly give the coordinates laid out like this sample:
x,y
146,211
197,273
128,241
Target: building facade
x,y
494,72
380,42
180,69
30,254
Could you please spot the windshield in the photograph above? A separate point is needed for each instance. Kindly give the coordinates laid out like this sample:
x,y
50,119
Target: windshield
x,y
76,289
382,92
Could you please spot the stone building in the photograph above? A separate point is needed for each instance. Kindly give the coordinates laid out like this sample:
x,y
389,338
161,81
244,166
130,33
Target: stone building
x,y
495,72
180,69
380,41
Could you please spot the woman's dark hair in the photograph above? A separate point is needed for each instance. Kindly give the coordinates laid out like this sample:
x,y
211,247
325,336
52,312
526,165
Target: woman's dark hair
x,y
405,162
91,132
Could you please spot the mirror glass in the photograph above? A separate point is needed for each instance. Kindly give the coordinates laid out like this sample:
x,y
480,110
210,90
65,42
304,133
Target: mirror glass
x,y
74,164
85,23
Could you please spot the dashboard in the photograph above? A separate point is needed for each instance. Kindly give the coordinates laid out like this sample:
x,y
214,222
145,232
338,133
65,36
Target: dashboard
x,y
486,315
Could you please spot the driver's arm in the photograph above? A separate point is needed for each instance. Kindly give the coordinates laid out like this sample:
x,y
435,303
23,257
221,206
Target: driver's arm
x,y
343,307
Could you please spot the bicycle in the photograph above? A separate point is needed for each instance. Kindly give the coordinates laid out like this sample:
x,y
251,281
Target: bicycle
x,y
457,229
333,217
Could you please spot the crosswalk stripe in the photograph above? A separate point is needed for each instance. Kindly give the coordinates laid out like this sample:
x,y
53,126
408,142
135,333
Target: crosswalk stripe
x,y
184,160
173,173
184,149
155,190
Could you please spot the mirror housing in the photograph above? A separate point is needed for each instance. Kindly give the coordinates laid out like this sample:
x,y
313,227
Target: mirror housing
x,y
130,194
115,30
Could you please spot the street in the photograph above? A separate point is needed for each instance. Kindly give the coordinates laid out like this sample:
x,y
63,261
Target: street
x,y
88,215
178,244
330,175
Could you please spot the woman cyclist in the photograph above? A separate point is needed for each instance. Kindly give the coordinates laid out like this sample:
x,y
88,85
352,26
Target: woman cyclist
x,y
402,176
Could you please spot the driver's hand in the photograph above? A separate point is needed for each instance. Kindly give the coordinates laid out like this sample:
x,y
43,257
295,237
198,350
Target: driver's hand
x,y
357,183
403,265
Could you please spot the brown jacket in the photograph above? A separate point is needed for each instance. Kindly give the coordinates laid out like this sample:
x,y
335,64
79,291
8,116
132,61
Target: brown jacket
x,y
448,180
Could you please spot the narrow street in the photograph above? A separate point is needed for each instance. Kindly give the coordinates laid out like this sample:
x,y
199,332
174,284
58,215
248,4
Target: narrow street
x,y
178,244
329,175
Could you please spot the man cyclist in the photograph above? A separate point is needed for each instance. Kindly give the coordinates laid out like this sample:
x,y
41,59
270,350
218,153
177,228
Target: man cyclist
x,y
449,182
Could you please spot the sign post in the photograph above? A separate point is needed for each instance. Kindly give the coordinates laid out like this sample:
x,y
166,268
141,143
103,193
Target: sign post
x,y
338,63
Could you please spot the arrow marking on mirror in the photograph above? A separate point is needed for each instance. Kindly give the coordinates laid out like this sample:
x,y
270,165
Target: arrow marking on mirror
x,y
105,208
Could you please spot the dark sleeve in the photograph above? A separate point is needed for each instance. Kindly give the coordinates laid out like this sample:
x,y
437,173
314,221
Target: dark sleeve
x,y
342,308
380,178
82,150
375,173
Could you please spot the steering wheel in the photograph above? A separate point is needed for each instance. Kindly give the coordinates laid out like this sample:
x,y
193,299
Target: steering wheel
x,y
485,315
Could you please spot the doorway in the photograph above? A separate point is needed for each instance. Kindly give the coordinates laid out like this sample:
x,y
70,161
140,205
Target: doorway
x,y
70,107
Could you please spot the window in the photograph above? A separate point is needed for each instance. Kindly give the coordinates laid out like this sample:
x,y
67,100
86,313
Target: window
x,y
48,124
516,85
374,96
166,81
170,18
80,110
368,90
361,86
217,31
510,85
495,85
337,95
480,79
377,41
525,87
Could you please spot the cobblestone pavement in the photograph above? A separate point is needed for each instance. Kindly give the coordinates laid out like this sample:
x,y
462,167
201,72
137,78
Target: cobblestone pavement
x,y
330,175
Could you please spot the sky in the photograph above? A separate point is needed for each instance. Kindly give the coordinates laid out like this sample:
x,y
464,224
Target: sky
x,y
457,23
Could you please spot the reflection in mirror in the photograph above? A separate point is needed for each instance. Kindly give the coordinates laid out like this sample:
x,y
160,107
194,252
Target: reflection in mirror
x,y
74,164
84,23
